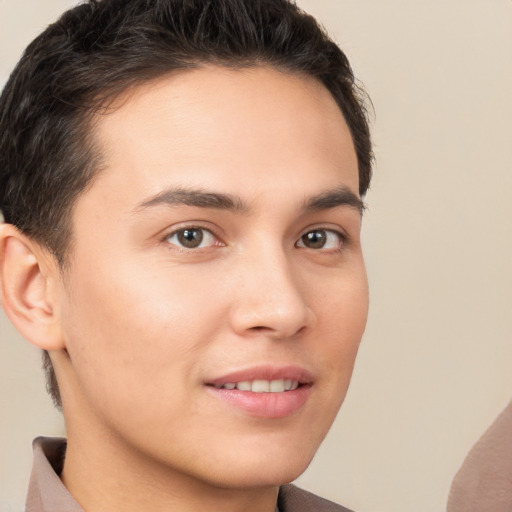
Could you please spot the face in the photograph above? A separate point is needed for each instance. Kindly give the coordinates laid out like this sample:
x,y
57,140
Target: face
x,y
217,294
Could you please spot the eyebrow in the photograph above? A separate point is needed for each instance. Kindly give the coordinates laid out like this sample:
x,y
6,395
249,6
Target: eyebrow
x,y
341,196
192,197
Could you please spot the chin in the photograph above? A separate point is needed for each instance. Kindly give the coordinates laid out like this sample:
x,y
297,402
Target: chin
x,y
270,470
265,478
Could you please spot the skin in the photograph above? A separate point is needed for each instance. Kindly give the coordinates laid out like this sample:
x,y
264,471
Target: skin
x,y
138,324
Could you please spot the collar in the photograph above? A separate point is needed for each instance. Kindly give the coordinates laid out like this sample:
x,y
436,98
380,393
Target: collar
x,y
46,492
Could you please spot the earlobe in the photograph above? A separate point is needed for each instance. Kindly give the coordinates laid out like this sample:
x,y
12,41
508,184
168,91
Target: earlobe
x,y
27,277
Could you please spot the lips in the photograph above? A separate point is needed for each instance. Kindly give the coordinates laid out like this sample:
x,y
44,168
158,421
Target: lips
x,y
265,392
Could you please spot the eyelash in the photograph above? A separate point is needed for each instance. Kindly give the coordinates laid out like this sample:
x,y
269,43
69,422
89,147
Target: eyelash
x,y
342,238
199,228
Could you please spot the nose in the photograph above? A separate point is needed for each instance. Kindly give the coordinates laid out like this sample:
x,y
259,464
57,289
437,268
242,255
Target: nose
x,y
270,300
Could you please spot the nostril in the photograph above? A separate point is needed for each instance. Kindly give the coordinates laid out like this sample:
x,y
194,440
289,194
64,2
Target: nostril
x,y
276,334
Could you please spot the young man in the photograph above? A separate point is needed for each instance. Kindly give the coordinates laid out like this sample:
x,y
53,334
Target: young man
x,y
182,186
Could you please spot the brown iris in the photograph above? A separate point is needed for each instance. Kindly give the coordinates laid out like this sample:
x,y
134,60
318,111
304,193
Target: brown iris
x,y
314,239
190,238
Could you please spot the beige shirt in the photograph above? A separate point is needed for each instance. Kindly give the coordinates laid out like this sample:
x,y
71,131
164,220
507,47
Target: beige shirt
x,y
46,492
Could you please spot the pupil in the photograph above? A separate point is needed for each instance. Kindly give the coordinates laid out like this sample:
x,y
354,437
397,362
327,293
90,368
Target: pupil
x,y
314,239
190,238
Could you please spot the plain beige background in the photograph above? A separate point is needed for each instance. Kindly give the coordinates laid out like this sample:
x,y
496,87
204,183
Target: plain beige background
x,y
435,364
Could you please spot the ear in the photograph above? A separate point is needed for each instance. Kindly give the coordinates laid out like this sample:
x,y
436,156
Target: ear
x,y
28,277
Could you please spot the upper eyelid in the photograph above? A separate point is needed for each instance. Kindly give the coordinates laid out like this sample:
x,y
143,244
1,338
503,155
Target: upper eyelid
x,y
218,233
334,229
344,239
190,250
167,233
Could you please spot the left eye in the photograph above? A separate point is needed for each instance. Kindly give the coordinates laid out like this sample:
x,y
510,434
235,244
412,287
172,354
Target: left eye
x,y
320,239
192,238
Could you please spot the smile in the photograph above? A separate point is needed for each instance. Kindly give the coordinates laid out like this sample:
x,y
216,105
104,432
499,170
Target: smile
x,y
270,392
262,386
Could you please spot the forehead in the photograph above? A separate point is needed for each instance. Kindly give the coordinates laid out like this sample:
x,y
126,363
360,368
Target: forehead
x,y
234,128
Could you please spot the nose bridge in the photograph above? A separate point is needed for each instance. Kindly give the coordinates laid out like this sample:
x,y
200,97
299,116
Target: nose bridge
x,y
270,297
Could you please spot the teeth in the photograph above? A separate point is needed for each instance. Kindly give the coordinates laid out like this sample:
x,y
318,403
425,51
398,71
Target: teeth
x,y
262,386
244,385
276,386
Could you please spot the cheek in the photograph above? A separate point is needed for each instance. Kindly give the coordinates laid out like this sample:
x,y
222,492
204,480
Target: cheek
x,y
342,315
126,325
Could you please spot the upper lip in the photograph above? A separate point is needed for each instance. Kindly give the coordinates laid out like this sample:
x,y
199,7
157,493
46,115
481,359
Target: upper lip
x,y
287,372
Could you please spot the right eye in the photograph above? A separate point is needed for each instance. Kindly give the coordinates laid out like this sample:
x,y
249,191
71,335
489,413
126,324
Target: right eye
x,y
192,238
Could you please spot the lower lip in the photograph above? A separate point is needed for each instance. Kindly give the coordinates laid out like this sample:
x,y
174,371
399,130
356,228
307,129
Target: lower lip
x,y
264,405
